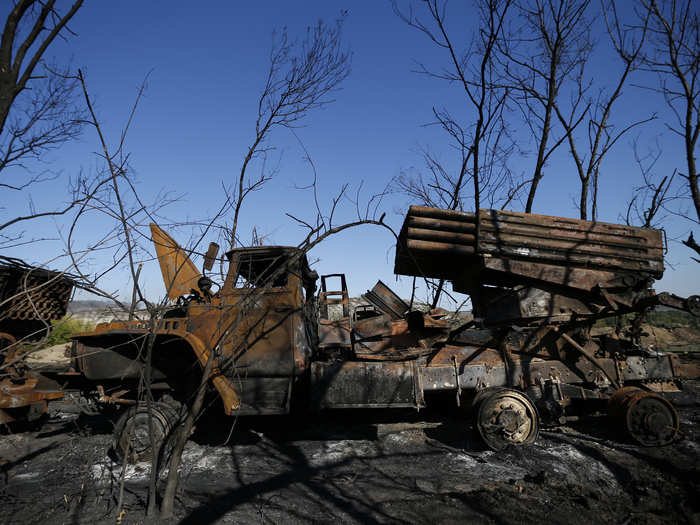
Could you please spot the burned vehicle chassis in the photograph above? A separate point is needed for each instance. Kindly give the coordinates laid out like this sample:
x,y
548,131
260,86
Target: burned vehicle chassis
x,y
538,285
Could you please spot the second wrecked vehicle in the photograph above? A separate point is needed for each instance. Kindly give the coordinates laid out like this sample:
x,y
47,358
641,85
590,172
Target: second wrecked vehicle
x,y
537,283
30,299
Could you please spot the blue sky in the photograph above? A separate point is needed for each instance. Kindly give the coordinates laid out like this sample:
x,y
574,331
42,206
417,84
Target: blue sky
x,y
206,65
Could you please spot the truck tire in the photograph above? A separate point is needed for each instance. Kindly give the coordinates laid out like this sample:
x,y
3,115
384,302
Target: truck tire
x,y
131,432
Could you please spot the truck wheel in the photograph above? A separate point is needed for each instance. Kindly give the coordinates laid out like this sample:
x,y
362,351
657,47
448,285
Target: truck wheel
x,y
646,417
505,417
481,395
132,435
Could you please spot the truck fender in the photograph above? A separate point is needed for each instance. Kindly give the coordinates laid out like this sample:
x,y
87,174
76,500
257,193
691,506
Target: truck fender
x,y
222,384
172,328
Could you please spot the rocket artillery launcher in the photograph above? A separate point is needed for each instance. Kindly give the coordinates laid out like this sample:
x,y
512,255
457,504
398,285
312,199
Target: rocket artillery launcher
x,y
538,284
30,298
527,269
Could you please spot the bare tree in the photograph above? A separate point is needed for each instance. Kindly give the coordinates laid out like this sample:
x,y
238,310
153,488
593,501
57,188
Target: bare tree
x,y
653,196
302,76
602,134
549,49
484,144
105,197
39,110
674,54
474,71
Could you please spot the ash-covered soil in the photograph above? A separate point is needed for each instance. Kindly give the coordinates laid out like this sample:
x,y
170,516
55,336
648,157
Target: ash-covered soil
x,y
364,467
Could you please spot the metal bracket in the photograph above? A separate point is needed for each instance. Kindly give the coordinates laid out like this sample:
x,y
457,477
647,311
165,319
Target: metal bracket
x,y
459,387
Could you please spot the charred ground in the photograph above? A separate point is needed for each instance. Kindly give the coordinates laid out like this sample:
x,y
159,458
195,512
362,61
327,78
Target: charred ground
x,y
360,467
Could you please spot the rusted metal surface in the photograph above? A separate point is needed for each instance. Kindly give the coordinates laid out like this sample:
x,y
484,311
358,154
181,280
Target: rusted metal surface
x,y
28,293
334,334
481,370
116,351
256,326
442,243
540,238
359,384
588,351
25,397
646,417
387,301
506,417
175,265
328,298
30,298
537,283
265,395
500,305
581,278
524,268
115,398
15,395
382,338
260,328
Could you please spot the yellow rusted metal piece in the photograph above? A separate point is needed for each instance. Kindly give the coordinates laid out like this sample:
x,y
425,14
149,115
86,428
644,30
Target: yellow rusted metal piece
x,y
180,275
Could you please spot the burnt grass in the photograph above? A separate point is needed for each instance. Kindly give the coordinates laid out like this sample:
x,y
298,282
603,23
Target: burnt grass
x,y
359,467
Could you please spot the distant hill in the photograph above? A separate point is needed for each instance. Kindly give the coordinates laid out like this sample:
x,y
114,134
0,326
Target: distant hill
x,y
94,312
86,305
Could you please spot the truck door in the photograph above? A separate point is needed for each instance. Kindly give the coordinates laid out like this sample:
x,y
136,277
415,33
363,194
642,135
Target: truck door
x,y
264,307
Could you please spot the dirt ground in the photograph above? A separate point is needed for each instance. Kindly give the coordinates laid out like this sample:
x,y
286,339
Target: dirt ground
x,y
360,467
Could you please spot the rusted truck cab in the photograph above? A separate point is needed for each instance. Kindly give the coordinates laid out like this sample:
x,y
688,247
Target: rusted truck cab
x,y
258,326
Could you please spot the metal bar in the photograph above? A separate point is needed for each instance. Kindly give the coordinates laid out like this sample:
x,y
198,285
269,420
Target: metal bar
x,y
587,355
441,236
430,246
424,211
441,224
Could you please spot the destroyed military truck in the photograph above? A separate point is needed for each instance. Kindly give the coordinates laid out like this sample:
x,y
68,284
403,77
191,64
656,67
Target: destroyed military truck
x,y
30,298
528,358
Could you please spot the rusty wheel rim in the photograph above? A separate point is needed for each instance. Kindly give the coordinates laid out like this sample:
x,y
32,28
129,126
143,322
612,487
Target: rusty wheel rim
x,y
507,417
648,418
